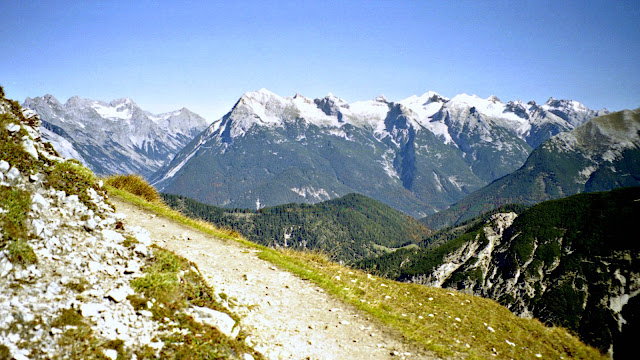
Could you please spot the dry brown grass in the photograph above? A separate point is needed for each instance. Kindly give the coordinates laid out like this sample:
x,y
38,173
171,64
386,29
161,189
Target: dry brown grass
x,y
135,184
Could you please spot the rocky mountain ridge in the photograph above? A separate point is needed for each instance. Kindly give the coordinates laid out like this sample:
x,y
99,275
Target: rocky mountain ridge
x,y
570,262
116,137
602,154
419,154
73,277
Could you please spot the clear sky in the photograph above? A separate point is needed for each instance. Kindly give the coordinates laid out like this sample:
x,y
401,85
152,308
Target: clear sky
x,y
205,55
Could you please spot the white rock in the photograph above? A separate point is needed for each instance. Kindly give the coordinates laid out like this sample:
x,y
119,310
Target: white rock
x,y
29,147
110,353
13,128
5,267
91,224
13,174
247,357
110,270
53,289
72,200
39,201
133,267
119,294
38,226
28,317
217,319
146,313
92,310
142,235
95,266
112,236
4,166
141,249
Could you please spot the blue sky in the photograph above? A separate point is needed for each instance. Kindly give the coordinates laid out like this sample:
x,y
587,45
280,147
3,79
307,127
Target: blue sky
x,y
205,55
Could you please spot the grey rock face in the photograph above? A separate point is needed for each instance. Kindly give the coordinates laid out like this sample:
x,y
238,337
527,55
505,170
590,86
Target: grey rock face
x,y
568,262
76,290
418,155
116,137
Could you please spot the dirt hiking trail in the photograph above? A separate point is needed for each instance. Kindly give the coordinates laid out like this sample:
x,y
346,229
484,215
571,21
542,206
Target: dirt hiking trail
x,y
286,317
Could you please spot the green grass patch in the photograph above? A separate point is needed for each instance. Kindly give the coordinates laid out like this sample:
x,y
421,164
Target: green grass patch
x,y
15,205
78,340
164,210
73,178
19,252
68,317
451,324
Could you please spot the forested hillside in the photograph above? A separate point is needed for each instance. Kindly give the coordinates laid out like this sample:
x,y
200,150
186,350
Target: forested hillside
x,y
349,228
573,262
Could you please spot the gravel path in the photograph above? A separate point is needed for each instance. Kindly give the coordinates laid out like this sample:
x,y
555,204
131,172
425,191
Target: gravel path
x,y
287,317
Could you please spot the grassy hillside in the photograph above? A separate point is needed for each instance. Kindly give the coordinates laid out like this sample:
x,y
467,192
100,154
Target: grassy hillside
x,y
452,324
348,228
568,261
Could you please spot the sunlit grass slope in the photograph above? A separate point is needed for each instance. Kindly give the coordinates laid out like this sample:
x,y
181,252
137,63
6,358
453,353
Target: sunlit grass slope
x,y
449,323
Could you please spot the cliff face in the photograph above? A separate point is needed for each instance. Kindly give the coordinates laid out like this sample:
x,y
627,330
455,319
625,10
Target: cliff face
x,y
570,262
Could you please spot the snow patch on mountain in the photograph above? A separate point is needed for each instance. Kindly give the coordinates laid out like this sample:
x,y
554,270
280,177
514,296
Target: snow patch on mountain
x,y
112,112
387,164
115,137
311,193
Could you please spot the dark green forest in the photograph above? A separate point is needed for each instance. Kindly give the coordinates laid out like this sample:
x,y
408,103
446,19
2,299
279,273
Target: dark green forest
x,y
348,228
572,252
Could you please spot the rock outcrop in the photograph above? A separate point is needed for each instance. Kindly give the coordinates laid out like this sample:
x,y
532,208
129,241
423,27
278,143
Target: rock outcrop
x,y
68,268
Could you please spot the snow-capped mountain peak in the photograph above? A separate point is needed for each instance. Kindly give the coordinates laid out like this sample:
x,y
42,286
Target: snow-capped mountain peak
x,y
102,134
382,99
430,110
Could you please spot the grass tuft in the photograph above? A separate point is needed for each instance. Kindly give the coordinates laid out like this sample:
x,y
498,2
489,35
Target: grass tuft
x,y
5,353
135,185
20,252
15,206
67,317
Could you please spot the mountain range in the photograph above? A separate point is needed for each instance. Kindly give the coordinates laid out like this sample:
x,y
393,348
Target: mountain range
x,y
602,154
418,155
116,137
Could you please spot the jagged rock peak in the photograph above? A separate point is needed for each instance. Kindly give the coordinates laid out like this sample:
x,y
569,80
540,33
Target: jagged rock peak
x,y
382,99
123,101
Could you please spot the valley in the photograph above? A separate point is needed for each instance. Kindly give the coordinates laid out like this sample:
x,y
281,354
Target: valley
x,y
483,256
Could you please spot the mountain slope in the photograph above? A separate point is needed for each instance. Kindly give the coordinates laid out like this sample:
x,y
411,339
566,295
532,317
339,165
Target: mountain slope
x,y
75,283
116,137
418,155
602,154
348,228
573,262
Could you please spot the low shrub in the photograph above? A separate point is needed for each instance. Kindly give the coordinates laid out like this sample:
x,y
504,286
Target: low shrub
x,y
136,185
